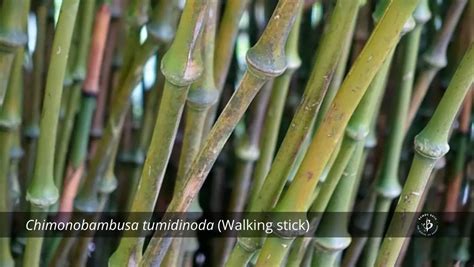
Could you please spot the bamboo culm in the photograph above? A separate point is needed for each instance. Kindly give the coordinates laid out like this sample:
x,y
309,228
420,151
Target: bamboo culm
x,y
300,245
13,31
328,135
31,124
202,95
430,145
300,125
435,58
181,66
42,192
10,119
334,231
87,105
225,42
158,32
387,186
265,60
274,112
12,37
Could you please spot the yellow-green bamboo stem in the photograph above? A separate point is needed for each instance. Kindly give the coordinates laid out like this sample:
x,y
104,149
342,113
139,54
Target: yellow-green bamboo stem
x,y
88,101
225,42
265,60
31,123
435,58
42,192
10,119
387,186
75,74
339,74
356,131
202,95
430,145
159,31
181,66
286,157
275,111
332,237
378,48
12,37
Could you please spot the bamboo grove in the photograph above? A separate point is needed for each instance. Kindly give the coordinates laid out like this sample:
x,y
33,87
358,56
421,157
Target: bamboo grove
x,y
351,117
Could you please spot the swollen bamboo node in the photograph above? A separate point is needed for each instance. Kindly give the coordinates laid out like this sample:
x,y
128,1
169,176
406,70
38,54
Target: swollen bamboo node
x,y
162,26
429,148
201,98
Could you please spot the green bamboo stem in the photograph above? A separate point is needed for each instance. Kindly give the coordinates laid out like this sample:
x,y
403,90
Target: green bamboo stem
x,y
107,72
346,100
181,66
164,22
430,145
355,135
149,117
362,28
137,16
202,95
159,31
31,124
64,136
435,58
387,186
327,54
88,101
356,132
327,136
265,60
453,190
225,42
332,237
42,191
362,225
298,251
247,151
75,75
12,37
96,190
10,120
275,111
339,73
462,253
